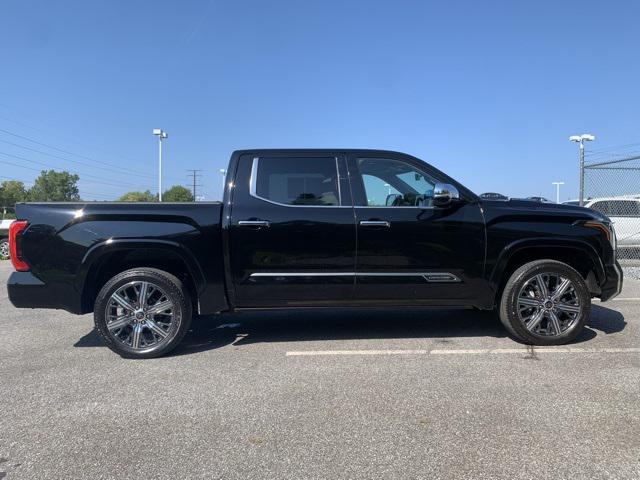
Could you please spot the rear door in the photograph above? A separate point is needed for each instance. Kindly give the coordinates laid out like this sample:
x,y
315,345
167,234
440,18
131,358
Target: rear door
x,y
292,236
410,252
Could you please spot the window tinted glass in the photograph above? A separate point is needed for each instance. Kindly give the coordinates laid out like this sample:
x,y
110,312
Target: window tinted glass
x,y
602,207
298,181
393,183
618,208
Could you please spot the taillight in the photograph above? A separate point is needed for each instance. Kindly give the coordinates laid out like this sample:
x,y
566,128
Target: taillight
x,y
15,229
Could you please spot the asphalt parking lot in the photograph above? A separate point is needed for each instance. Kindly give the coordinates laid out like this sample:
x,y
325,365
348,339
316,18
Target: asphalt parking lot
x,y
384,394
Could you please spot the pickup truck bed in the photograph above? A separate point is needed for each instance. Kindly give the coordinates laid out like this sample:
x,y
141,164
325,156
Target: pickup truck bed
x,y
73,248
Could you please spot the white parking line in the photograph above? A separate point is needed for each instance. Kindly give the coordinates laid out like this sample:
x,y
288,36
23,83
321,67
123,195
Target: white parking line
x,y
625,299
355,352
472,351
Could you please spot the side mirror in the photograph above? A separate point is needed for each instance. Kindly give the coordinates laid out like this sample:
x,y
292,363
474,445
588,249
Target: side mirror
x,y
392,198
444,194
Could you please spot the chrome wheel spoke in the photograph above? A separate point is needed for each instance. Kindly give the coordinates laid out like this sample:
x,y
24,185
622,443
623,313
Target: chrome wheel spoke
x,y
120,322
553,318
157,329
123,302
535,320
567,308
160,307
142,294
136,335
529,302
542,286
561,288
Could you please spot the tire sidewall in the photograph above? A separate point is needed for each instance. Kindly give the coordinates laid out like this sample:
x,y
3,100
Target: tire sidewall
x,y
520,277
171,286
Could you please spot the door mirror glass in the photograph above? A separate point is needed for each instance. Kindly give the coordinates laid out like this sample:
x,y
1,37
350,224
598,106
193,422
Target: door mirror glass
x,y
444,194
393,199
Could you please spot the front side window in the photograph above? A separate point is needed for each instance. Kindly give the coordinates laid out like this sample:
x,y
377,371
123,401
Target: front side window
x,y
393,183
296,181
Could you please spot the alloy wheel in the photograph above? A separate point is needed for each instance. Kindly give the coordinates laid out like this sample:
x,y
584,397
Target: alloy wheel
x,y
139,315
548,304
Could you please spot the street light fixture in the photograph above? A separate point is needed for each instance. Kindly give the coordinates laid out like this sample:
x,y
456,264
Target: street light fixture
x,y
161,134
557,184
585,137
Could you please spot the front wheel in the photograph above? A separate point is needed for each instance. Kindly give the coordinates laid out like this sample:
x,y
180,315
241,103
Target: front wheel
x,y
142,313
545,302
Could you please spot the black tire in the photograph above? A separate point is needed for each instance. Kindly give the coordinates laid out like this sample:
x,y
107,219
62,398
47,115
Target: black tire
x,y
174,290
4,249
509,310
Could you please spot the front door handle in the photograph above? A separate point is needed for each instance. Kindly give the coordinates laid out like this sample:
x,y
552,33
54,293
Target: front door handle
x,y
253,223
375,223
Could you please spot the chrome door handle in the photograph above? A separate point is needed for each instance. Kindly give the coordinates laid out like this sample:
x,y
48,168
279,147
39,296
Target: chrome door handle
x,y
253,223
375,223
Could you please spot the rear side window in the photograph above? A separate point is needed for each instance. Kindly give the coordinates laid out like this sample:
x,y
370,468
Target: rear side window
x,y
618,208
296,181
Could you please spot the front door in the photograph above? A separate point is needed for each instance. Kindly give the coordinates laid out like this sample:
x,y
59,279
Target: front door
x,y
409,251
292,236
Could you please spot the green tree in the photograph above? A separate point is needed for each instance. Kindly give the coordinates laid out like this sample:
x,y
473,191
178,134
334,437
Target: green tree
x,y
177,193
52,186
12,192
145,196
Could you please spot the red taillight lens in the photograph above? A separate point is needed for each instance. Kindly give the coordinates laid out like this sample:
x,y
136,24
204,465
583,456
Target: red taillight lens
x,y
15,229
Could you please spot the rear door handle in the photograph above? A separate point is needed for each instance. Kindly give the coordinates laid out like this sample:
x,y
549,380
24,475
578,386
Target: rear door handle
x,y
253,223
375,223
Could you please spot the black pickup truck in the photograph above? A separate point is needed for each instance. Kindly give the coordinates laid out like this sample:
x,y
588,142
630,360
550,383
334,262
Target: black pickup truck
x,y
314,228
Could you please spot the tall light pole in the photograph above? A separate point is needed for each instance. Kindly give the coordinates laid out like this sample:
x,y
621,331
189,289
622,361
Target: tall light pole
x,y
161,134
585,137
557,184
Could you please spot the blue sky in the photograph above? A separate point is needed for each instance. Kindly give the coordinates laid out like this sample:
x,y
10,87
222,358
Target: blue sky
x,y
487,91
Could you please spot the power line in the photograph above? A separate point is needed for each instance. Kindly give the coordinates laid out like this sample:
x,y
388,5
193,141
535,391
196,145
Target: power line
x,y
61,150
66,151
75,172
119,172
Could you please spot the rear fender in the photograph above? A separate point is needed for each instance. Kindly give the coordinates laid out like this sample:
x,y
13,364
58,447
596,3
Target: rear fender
x,y
95,253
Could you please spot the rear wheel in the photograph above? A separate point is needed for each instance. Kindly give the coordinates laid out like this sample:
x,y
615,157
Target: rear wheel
x,y
545,302
142,313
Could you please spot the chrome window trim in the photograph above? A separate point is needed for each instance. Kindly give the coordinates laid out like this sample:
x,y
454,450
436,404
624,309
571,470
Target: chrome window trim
x,y
431,277
253,182
391,206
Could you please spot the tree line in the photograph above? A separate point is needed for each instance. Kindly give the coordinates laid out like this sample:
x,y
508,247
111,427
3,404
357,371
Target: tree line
x,y
53,186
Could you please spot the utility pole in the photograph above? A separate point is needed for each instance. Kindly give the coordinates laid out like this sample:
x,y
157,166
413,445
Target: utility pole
x,y
585,137
557,184
158,132
195,175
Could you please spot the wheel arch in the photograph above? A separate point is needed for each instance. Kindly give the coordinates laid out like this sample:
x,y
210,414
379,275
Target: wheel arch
x,y
107,259
578,254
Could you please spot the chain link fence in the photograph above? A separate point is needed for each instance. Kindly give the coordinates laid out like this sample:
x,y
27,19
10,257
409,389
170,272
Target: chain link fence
x,y
613,188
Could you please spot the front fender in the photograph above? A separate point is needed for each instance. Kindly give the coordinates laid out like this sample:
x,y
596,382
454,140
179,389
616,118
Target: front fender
x,y
543,242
